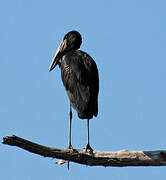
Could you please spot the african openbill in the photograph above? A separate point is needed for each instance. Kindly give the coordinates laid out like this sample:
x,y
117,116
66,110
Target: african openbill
x,y
79,74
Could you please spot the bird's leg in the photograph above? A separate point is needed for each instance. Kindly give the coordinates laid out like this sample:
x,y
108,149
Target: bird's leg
x,y
70,121
88,147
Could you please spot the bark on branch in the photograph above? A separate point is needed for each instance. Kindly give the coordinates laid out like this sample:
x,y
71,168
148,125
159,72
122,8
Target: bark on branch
x,y
93,158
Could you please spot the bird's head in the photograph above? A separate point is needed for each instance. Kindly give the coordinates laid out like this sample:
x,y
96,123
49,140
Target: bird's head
x,y
72,41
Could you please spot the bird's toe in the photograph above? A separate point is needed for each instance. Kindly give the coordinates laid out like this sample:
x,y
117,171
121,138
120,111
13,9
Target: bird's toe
x,y
88,148
70,147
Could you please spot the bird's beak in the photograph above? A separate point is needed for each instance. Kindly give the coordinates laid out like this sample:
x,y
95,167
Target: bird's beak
x,y
58,54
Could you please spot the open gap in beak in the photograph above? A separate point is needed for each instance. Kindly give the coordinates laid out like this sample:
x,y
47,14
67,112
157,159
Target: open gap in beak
x,y
57,56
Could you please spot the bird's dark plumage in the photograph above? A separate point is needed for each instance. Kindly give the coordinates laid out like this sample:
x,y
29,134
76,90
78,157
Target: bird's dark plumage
x,y
80,78
79,75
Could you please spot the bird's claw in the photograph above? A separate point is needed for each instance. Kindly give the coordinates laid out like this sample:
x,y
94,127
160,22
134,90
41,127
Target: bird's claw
x,y
70,147
88,147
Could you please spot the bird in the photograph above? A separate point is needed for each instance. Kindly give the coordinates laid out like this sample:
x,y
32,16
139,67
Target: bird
x,y
80,77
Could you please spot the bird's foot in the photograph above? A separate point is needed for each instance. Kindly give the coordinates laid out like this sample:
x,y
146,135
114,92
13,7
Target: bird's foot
x,y
70,146
88,148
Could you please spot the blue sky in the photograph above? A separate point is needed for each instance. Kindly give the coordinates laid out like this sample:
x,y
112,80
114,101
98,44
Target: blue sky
x,y
127,39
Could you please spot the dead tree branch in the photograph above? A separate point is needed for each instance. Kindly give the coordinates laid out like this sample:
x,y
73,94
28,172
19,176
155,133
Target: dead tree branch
x,y
93,158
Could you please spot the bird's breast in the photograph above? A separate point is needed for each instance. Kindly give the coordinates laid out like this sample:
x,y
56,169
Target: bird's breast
x,y
67,75
67,69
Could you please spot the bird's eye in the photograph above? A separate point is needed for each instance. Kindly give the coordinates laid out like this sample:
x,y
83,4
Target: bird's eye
x,y
73,37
